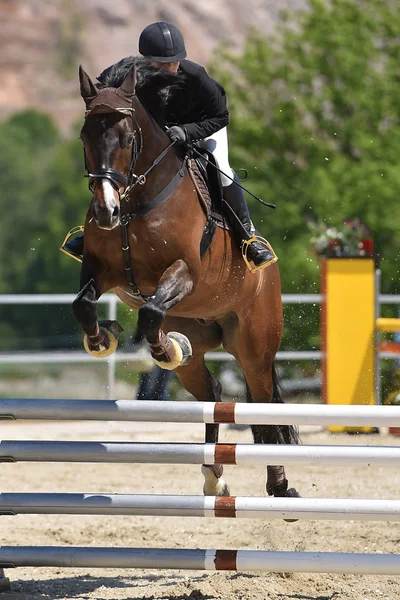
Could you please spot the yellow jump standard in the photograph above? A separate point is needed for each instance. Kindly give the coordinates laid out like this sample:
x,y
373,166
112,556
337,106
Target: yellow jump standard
x,y
348,333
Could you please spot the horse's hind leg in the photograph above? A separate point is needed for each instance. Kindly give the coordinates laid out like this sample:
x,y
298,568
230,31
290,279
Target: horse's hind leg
x,y
254,343
198,381
277,484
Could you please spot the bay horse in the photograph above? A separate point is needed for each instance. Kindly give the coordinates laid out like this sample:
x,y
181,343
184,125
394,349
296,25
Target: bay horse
x,y
142,240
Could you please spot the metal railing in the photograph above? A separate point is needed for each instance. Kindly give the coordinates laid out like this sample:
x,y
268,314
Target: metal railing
x,y
111,301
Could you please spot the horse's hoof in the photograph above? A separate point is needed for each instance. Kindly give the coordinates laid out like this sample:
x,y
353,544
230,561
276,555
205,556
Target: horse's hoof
x,y
291,493
103,351
214,486
281,491
221,489
182,352
112,326
185,345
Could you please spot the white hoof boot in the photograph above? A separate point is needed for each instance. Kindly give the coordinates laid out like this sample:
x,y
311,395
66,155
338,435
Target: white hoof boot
x,y
111,331
213,485
182,352
102,351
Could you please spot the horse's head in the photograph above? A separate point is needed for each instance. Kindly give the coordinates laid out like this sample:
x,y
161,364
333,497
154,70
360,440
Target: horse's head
x,y
109,135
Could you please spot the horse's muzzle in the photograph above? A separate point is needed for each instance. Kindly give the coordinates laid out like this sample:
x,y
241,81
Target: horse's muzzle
x,y
105,217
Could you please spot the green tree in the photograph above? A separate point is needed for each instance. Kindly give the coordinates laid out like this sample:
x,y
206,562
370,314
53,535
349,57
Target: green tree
x,y
44,193
27,143
315,120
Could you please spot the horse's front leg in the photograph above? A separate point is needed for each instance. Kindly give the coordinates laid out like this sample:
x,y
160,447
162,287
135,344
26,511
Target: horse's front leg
x,y
172,350
101,338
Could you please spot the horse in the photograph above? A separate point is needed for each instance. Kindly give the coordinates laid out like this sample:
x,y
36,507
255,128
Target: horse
x,y
142,240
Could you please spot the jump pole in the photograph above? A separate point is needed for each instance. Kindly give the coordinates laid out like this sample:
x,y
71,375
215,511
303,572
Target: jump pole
x,y
348,316
199,560
234,507
198,412
198,454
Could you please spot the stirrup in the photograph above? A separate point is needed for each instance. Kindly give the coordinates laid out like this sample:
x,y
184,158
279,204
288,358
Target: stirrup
x,y
245,247
71,232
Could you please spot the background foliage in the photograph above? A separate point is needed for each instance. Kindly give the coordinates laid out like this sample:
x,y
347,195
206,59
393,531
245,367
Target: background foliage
x,y
315,120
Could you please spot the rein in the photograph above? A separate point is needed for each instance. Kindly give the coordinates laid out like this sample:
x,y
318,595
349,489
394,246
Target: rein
x,y
124,184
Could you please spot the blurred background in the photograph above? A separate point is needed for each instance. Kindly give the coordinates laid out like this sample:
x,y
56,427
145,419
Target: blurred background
x,y
314,95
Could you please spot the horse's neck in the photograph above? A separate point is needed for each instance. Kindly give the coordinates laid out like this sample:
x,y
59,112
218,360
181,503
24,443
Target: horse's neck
x,y
153,142
153,136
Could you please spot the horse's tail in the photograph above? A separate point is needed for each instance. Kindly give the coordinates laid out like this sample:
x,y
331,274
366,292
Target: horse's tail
x,y
275,434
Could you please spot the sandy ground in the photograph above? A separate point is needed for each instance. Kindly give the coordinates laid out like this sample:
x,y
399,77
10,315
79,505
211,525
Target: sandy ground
x,y
84,584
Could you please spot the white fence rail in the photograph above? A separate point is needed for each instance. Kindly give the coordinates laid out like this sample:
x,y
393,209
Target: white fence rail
x,y
111,301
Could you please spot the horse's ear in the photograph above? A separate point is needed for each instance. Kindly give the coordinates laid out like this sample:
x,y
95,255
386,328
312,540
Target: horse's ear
x,y
127,87
88,89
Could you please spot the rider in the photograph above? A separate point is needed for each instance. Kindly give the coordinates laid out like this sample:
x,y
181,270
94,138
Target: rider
x,y
196,112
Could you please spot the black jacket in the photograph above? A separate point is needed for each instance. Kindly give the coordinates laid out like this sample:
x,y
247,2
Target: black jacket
x,y
199,104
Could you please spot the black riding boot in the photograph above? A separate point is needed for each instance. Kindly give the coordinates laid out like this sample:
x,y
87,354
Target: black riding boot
x,y
74,247
256,252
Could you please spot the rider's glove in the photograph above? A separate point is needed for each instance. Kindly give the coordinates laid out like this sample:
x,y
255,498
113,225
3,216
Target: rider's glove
x,y
177,134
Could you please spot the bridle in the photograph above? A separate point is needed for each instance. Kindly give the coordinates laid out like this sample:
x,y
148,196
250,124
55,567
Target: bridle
x,y
128,182
123,184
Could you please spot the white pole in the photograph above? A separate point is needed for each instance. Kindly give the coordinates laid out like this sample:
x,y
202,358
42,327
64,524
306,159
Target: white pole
x,y
199,506
318,562
160,453
214,560
199,412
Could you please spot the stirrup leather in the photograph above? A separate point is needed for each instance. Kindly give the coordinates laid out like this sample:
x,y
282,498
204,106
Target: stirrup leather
x,y
245,247
71,232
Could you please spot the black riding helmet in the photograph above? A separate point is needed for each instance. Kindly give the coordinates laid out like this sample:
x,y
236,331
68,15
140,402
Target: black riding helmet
x,y
163,42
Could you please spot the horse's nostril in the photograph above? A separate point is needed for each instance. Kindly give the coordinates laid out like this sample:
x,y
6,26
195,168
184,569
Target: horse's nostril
x,y
115,211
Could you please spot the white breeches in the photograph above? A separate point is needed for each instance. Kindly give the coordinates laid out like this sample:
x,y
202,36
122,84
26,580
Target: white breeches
x,y
217,143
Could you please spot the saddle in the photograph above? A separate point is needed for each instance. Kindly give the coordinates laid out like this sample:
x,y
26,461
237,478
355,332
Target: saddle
x,y
208,185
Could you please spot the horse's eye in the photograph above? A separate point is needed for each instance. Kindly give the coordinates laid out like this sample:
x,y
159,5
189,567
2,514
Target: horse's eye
x,y
129,139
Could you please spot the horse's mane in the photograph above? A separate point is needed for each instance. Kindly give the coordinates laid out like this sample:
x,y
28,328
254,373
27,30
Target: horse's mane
x,y
153,85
